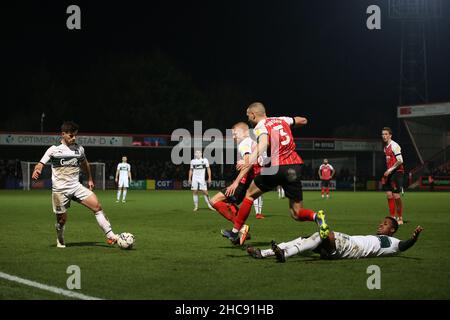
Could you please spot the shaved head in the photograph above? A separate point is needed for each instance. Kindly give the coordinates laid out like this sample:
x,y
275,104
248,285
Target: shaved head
x,y
240,125
257,108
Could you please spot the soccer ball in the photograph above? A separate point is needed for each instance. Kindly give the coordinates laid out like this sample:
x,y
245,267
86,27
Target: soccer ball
x,y
125,241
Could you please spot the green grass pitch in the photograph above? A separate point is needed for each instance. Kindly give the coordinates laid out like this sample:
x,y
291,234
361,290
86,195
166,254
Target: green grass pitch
x,y
180,254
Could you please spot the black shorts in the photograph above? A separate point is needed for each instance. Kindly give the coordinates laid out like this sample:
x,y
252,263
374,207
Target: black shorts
x,y
394,182
287,176
239,193
325,183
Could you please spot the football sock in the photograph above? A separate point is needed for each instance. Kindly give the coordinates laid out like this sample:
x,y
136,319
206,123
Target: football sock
x,y
327,190
243,213
391,203
399,205
304,245
267,253
258,205
285,245
323,190
207,201
306,214
104,224
124,194
59,230
224,210
195,200
118,195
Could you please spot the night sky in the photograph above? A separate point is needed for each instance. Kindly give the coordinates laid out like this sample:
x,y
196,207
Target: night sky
x,y
310,58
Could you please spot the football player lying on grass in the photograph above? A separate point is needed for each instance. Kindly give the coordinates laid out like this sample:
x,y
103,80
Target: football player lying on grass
x,y
338,245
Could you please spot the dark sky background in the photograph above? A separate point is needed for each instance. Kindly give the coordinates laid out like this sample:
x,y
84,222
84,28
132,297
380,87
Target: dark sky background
x,y
310,58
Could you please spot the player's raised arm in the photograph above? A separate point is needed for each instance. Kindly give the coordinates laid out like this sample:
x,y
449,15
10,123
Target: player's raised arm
x,y
87,169
406,244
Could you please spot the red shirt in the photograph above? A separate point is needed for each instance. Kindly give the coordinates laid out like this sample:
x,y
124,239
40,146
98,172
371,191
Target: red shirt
x,y
281,141
393,152
325,171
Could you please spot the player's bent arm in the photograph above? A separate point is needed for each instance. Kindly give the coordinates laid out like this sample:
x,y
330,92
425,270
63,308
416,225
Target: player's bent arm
x,y
406,244
299,121
37,170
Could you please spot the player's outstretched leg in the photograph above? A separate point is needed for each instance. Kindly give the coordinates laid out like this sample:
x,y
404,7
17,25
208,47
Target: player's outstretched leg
x,y
92,203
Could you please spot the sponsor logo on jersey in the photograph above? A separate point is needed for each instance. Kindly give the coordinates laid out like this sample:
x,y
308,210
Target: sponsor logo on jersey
x,y
71,162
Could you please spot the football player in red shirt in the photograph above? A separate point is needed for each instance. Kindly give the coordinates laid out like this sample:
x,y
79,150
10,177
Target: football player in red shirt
x,y
281,167
326,173
393,177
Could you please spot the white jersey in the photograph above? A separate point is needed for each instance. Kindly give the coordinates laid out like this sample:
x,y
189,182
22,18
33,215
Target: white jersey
x,y
198,167
355,247
246,146
123,169
65,162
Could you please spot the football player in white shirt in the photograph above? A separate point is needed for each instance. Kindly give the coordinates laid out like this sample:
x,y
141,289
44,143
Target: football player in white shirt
x,y
123,177
342,246
197,178
66,160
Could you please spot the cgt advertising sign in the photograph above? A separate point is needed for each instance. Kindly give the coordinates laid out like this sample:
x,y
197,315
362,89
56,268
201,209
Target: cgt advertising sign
x,y
164,185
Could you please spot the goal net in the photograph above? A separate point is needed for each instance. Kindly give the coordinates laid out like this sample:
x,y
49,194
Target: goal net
x,y
45,180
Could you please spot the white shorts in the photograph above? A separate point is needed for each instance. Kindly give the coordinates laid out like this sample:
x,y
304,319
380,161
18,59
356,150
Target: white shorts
x,y
199,185
123,183
61,199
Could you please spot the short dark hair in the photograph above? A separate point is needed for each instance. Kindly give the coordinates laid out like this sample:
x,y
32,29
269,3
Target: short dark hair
x,y
393,222
69,126
387,129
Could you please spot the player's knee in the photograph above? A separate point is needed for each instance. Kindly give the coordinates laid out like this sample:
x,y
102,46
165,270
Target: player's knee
x,y
61,219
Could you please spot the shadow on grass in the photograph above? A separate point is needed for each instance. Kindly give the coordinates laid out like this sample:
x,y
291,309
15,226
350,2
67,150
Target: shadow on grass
x,y
88,244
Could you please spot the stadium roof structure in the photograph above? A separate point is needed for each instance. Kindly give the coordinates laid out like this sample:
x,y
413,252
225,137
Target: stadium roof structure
x,y
428,126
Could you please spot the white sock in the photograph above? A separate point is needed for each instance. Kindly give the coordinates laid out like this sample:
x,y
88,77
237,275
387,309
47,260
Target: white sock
x,y
124,194
260,204
285,245
195,200
118,195
207,200
304,245
104,224
59,230
267,253
256,205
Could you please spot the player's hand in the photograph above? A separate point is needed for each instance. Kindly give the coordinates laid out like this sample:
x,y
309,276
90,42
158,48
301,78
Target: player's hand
x,y
91,184
36,174
209,182
416,232
189,182
231,189
388,172
116,180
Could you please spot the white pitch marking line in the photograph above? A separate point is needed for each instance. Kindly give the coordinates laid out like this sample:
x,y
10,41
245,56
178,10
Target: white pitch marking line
x,y
41,286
